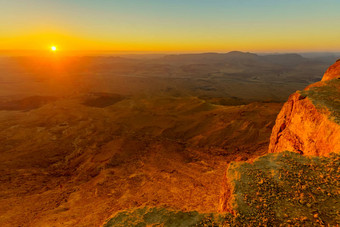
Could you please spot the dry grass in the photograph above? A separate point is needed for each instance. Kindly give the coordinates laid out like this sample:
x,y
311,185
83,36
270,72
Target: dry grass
x,y
327,96
287,188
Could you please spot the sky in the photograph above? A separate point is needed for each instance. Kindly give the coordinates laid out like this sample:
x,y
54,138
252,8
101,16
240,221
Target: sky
x,y
170,25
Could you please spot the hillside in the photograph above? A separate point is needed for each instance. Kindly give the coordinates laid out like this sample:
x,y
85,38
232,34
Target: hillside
x,y
69,162
309,122
290,187
282,188
119,139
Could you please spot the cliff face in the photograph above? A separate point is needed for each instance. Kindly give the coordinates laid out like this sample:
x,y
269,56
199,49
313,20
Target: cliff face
x,y
302,128
309,122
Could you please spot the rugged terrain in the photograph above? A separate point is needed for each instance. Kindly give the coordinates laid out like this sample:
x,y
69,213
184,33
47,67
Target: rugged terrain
x,y
67,163
309,121
85,139
287,187
299,188
283,188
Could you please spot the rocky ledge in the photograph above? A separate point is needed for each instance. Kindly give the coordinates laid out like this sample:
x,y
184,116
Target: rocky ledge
x,y
309,122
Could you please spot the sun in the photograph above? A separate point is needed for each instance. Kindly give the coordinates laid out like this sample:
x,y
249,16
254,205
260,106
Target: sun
x,y
53,48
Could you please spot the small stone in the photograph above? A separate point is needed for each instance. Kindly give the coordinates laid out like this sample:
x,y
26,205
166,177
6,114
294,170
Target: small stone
x,y
304,218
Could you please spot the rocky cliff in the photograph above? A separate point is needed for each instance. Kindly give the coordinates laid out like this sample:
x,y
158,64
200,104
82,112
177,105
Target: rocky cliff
x,y
332,72
285,187
309,122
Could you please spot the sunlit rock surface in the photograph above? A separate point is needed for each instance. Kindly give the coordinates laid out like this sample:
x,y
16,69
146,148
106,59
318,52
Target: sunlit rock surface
x,y
299,186
332,72
309,122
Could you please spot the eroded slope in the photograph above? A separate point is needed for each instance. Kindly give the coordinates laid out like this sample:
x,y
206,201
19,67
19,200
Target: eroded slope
x,y
70,163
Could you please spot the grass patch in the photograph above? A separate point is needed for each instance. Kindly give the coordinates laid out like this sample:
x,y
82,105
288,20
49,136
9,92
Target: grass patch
x,y
327,96
165,217
287,188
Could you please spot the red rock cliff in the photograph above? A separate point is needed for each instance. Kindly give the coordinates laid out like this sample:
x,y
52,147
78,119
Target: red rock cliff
x,y
332,72
308,122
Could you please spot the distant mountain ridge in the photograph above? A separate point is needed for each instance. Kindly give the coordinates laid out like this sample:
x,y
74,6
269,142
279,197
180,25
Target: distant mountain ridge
x,y
280,59
245,76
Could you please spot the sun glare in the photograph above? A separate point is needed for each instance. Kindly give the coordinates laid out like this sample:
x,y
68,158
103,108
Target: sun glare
x,y
53,48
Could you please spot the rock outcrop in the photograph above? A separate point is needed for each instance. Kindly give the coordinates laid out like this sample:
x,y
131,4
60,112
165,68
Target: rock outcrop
x,y
309,122
332,72
283,188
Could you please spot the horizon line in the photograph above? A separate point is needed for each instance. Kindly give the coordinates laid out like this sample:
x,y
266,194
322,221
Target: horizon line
x,y
139,52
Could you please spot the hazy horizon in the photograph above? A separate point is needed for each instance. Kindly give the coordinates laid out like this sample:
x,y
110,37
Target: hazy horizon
x,y
33,53
171,26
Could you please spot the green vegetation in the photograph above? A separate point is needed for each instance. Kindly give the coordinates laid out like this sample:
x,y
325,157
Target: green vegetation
x,y
161,216
327,96
287,188
279,188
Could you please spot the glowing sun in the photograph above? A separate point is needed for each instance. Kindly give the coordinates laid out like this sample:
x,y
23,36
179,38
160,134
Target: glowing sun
x,y
53,48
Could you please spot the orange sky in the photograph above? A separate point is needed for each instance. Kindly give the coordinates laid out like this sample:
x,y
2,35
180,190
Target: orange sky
x,y
165,26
